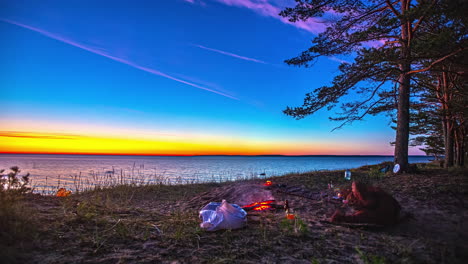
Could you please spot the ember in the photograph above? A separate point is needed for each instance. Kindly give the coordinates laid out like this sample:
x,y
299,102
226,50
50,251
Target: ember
x,y
268,183
259,206
290,216
262,207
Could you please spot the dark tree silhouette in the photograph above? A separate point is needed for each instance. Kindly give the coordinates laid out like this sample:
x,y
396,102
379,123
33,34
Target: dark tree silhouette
x,y
387,38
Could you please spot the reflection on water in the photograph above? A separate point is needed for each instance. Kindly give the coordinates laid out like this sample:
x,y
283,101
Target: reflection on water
x,y
49,172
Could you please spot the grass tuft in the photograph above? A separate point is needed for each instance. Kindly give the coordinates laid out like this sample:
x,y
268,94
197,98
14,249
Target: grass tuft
x,y
17,225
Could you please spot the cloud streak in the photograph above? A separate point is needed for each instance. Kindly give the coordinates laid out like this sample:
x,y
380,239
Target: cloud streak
x,y
17,134
264,8
333,58
230,54
115,58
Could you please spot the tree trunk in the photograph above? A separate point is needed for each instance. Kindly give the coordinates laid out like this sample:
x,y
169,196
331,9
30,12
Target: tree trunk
x,y
463,153
402,130
444,134
449,146
460,147
463,148
457,147
449,122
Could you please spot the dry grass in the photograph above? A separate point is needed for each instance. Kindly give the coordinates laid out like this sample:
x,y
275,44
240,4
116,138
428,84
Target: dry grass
x,y
159,224
17,226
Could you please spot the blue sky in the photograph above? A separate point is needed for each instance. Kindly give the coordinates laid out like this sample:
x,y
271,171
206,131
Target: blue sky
x,y
182,69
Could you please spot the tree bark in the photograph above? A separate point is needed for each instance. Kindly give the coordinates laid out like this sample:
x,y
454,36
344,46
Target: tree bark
x,y
402,130
463,153
459,146
449,146
449,122
463,147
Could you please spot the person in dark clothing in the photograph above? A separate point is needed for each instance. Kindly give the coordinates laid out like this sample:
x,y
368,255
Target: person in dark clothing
x,y
372,205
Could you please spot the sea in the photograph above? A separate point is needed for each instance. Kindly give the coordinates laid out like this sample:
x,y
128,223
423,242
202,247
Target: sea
x,y
82,172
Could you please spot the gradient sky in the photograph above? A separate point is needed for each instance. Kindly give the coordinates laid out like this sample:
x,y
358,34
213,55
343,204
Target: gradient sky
x,y
169,77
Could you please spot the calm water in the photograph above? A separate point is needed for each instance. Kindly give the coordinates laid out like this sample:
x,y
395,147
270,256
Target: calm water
x,y
48,172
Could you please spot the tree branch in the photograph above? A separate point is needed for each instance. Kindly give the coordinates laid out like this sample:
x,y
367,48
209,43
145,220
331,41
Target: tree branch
x,y
359,117
390,5
422,17
356,107
437,61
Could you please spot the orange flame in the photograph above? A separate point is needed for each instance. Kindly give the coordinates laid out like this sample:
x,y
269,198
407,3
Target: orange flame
x,y
268,183
62,192
259,203
262,207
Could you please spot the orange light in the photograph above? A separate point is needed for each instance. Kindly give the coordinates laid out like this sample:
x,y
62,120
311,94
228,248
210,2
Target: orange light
x,y
62,192
104,142
290,216
262,207
259,203
268,183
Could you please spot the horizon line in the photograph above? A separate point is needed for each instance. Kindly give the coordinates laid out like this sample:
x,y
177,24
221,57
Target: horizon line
x,y
202,155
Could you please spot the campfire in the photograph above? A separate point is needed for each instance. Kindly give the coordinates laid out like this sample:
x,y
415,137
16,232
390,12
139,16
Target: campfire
x,y
261,206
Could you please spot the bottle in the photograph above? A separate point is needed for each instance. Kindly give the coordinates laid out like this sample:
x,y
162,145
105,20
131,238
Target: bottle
x,y
288,211
347,175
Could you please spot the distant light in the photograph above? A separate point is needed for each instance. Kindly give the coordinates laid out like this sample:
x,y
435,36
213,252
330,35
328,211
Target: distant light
x,y
268,183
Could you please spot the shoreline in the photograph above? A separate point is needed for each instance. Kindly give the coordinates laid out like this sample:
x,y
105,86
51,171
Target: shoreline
x,y
215,155
137,175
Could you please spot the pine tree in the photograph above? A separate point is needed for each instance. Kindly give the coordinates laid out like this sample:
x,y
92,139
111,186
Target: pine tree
x,y
386,38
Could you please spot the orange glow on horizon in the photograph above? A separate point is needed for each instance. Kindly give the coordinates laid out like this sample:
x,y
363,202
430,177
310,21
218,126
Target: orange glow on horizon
x,y
20,142
56,143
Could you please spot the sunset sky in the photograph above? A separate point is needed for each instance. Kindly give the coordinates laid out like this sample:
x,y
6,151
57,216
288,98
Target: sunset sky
x,y
166,77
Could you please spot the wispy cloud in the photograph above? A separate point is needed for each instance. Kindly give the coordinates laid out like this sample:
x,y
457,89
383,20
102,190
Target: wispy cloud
x,y
230,54
272,8
17,134
115,58
333,58
200,2
265,8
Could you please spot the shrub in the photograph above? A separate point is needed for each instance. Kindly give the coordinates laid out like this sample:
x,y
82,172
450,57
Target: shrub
x,y
15,219
12,182
375,173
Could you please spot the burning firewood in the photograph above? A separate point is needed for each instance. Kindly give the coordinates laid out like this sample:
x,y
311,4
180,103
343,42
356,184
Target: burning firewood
x,y
261,206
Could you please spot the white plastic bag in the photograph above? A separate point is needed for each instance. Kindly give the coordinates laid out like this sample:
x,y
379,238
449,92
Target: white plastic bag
x,y
216,216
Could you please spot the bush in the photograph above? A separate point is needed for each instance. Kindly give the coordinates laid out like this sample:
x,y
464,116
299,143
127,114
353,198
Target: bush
x,y
15,219
375,173
12,182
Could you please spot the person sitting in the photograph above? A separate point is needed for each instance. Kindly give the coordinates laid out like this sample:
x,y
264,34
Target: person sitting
x,y
372,205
